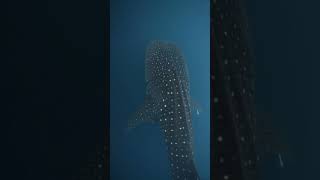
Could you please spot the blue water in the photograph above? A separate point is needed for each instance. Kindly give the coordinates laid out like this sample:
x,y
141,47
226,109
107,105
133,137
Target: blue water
x,y
140,154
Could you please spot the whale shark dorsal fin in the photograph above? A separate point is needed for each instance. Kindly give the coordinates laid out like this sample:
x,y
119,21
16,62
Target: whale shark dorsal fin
x,y
146,113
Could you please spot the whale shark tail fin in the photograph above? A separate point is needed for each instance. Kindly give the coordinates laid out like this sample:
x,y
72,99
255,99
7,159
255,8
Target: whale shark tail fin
x,y
146,113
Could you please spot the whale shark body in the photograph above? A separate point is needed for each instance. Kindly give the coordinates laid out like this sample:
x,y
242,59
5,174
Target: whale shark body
x,y
167,102
233,91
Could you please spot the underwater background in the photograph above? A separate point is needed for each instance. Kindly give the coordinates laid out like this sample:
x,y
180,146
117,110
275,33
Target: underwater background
x,y
141,153
285,37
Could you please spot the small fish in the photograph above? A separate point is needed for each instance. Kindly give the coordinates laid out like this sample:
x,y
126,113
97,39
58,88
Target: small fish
x,y
280,160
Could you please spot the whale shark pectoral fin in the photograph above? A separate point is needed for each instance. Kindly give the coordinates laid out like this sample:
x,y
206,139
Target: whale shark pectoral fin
x,y
146,113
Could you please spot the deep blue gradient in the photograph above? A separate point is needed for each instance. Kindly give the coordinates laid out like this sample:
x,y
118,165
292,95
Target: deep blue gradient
x,y
140,154
286,43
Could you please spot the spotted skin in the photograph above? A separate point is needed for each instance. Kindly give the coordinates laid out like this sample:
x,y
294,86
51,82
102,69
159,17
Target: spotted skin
x,y
167,102
233,113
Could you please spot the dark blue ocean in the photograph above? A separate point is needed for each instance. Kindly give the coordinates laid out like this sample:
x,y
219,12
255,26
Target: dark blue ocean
x,y
140,154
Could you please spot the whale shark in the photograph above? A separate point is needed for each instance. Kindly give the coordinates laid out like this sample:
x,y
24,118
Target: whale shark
x,y
233,90
167,102
241,138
